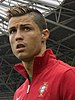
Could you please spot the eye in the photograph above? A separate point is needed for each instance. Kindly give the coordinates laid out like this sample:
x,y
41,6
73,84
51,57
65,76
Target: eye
x,y
11,31
25,28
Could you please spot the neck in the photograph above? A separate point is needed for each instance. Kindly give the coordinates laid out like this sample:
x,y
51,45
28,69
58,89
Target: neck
x,y
29,65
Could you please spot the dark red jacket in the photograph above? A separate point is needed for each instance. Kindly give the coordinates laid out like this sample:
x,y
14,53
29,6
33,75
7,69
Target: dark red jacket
x,y
52,80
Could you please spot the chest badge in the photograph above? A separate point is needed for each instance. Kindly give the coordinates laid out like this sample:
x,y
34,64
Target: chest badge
x,y
43,88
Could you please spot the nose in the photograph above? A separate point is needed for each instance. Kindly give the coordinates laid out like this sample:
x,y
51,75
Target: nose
x,y
18,36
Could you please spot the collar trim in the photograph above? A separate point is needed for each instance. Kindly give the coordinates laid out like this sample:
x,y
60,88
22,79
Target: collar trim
x,y
40,62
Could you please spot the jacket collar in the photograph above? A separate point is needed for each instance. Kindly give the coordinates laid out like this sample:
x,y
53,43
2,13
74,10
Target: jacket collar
x,y
40,62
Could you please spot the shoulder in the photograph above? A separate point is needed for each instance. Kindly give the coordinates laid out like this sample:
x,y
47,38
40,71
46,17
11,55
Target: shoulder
x,y
64,67
61,69
66,72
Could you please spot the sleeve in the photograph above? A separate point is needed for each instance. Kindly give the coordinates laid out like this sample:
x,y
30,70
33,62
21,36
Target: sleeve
x,y
67,88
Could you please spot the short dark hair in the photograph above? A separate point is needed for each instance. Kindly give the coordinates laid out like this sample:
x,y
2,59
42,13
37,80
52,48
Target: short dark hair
x,y
20,10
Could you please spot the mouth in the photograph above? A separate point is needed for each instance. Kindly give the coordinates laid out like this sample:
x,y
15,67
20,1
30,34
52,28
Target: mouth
x,y
20,47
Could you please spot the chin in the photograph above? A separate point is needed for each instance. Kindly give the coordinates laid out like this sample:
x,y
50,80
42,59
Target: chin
x,y
21,57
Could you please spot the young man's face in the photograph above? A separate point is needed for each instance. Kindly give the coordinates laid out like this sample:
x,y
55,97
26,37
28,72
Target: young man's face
x,y
25,37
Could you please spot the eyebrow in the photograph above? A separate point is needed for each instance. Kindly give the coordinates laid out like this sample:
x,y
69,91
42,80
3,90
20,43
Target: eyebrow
x,y
22,25
11,28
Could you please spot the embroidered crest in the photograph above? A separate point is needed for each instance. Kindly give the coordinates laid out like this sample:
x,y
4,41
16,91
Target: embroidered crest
x,y
43,88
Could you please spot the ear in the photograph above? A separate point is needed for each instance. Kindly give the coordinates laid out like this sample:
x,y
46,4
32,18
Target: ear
x,y
45,35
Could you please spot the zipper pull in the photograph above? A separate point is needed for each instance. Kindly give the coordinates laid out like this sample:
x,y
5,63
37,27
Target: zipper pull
x,y
28,88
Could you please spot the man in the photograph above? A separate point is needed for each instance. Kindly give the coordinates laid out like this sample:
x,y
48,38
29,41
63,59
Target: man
x,y
46,77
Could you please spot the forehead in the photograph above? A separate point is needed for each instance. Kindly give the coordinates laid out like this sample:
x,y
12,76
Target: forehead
x,y
15,21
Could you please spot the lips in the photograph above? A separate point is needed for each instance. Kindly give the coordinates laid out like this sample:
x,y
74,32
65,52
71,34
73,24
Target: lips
x,y
20,47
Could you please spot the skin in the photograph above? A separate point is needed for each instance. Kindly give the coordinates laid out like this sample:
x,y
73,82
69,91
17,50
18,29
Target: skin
x,y
23,30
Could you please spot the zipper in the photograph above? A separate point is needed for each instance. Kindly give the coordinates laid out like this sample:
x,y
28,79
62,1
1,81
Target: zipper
x,y
28,89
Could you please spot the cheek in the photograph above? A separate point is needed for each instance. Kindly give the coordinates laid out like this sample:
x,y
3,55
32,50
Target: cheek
x,y
10,38
36,43
11,41
35,40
